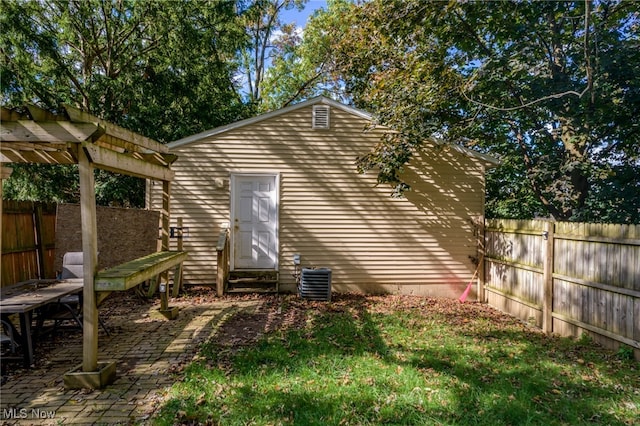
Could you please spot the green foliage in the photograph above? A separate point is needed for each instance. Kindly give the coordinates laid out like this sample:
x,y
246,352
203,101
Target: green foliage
x,y
625,352
585,339
47,183
163,69
61,184
262,22
300,67
188,84
551,88
113,189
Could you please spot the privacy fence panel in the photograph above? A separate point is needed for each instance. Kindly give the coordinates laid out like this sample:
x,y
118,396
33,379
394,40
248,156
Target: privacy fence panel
x,y
568,278
28,241
597,280
514,262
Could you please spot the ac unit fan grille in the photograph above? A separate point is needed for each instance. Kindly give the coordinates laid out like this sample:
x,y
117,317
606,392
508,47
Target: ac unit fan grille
x,y
315,284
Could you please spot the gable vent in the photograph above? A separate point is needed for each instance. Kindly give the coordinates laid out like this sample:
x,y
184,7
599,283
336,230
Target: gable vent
x,y
320,117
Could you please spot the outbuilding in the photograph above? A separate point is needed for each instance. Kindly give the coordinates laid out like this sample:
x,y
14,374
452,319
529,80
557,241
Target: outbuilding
x,y
286,186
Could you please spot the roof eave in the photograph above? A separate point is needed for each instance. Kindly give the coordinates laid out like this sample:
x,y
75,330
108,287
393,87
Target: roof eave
x,y
488,160
266,116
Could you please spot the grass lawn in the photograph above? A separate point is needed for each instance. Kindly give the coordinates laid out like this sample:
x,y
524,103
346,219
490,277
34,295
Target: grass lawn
x,y
399,360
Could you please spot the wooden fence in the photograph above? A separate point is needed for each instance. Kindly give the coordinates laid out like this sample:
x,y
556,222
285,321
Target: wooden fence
x,y
28,241
35,236
567,278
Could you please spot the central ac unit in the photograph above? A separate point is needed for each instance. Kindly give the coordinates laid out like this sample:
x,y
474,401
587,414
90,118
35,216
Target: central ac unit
x,y
315,284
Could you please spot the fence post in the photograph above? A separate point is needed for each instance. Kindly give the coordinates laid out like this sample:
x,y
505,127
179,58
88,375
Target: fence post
x,y
547,277
5,172
481,253
1,202
222,262
37,220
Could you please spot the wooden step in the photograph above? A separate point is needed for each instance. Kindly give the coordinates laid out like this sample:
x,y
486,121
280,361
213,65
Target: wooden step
x,y
252,285
253,282
254,274
245,290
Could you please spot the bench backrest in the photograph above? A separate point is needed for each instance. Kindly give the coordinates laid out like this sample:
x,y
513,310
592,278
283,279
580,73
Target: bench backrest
x,y
72,266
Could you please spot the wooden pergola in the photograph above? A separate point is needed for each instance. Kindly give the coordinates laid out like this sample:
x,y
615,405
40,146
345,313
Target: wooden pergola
x,y
71,136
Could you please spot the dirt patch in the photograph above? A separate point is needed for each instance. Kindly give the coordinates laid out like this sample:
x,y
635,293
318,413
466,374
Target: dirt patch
x,y
286,312
128,314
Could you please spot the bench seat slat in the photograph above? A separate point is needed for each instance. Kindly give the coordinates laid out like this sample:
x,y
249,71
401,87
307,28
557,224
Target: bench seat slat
x,y
128,275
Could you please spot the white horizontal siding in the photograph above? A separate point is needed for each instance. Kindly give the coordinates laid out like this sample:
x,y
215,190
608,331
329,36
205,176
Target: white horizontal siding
x,y
330,214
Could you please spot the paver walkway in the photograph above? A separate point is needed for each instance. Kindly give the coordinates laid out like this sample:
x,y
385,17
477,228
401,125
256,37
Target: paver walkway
x,y
146,348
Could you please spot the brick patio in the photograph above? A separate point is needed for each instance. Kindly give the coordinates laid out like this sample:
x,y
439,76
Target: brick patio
x,y
146,348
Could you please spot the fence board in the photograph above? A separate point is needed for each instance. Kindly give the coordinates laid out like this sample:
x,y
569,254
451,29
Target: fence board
x,y
48,235
595,285
636,319
21,242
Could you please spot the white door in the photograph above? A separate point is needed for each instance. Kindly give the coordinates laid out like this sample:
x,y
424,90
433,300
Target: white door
x,y
254,215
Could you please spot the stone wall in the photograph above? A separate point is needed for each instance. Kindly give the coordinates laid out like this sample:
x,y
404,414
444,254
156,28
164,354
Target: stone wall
x,y
123,234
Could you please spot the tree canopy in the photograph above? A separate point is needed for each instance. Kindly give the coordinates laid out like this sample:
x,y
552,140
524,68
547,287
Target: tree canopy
x,y
552,88
265,30
301,63
163,69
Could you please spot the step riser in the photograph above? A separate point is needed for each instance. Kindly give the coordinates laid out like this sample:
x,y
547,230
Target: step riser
x,y
253,282
252,285
251,290
264,275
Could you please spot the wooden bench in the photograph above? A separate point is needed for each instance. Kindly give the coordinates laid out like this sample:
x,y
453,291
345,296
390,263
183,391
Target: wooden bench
x,y
129,274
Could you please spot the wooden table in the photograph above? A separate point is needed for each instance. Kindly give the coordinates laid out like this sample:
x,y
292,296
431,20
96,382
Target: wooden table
x,y
24,298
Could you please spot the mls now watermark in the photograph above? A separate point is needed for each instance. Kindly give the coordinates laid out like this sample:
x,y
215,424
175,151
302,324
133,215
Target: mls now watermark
x,y
27,413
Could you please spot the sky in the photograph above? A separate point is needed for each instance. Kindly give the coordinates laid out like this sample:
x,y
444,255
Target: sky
x,y
300,17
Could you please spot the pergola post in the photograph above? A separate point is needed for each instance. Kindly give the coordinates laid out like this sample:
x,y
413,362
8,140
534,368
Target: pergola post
x,y
165,310
90,260
166,215
166,196
90,374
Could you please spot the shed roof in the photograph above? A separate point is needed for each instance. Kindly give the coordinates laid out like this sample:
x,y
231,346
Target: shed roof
x,y
315,101
268,115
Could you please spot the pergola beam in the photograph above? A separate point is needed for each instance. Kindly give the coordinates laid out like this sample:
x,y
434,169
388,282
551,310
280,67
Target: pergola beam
x,y
115,162
46,131
111,129
35,146
36,156
39,114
